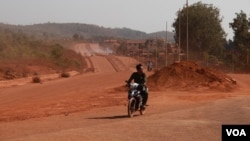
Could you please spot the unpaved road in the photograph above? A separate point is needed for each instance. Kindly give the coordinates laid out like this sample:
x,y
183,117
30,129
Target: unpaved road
x,y
92,107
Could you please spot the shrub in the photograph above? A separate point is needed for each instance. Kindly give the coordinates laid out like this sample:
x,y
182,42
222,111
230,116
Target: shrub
x,y
36,79
65,74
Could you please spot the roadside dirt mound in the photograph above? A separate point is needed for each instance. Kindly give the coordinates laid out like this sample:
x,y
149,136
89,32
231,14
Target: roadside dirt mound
x,y
188,75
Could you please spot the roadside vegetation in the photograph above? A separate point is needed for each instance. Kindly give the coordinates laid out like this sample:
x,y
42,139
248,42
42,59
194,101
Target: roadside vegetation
x,y
207,40
22,55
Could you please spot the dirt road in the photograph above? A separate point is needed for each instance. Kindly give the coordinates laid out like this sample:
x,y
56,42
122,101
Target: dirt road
x,y
92,107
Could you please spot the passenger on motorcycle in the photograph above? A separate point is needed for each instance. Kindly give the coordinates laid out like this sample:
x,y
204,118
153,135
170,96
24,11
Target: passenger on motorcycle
x,y
140,77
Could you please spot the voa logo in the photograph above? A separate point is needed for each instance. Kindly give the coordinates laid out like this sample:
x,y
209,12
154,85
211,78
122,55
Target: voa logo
x,y
236,132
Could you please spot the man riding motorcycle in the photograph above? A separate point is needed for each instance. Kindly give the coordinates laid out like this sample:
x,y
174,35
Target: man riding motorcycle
x,y
140,77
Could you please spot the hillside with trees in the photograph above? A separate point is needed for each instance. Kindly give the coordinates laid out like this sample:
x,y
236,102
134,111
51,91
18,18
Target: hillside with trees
x,y
23,56
83,31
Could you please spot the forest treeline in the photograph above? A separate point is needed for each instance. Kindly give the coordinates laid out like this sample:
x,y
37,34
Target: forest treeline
x,y
84,31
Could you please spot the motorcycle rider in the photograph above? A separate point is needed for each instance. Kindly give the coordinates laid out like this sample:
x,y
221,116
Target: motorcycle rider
x,y
140,77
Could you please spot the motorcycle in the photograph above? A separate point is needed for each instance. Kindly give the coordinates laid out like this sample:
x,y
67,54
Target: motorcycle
x,y
134,99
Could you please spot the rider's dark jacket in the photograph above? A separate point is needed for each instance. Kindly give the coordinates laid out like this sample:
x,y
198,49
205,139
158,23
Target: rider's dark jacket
x,y
139,78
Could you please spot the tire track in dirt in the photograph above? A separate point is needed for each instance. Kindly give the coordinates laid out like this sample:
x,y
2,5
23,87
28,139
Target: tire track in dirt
x,y
101,64
117,63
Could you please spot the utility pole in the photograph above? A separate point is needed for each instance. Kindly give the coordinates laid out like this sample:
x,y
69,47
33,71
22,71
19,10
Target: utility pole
x,y
166,44
179,46
187,28
156,53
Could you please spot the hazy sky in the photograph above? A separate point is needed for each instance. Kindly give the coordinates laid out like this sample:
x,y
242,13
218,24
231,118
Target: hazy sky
x,y
144,15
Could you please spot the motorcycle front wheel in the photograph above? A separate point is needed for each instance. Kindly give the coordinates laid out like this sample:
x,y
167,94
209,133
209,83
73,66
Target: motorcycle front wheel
x,y
131,107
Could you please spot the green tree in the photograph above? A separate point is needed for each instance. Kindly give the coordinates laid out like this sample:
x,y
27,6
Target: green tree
x,y
206,35
76,36
241,27
57,51
122,49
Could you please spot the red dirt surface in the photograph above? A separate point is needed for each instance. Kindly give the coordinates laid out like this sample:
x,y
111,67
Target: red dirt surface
x,y
93,106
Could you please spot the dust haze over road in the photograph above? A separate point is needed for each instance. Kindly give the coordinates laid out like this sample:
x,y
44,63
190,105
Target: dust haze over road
x,y
92,106
100,60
